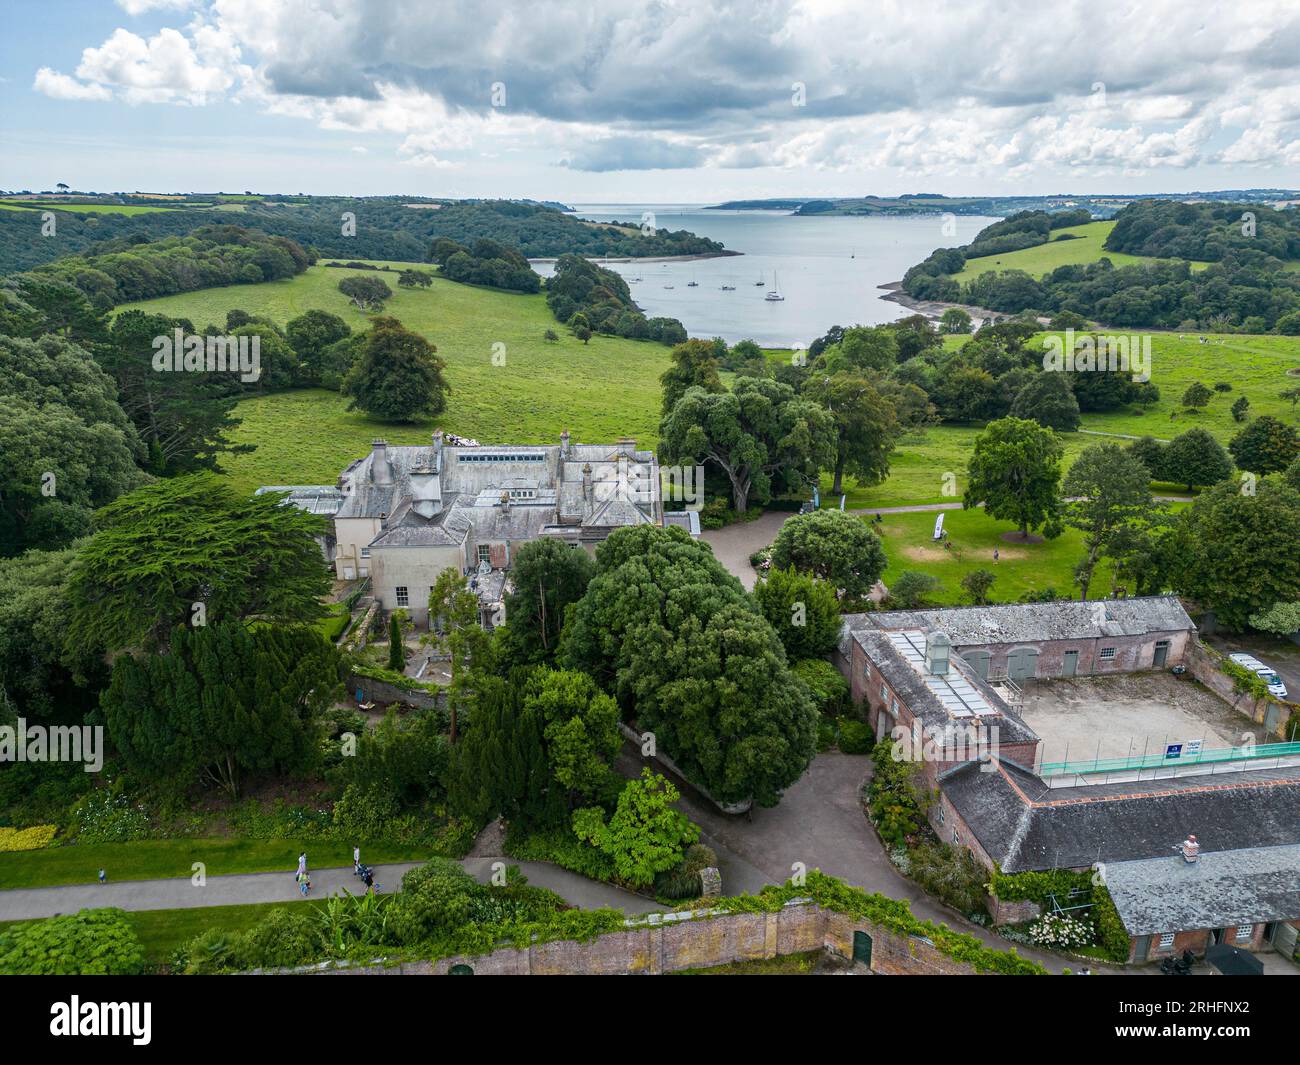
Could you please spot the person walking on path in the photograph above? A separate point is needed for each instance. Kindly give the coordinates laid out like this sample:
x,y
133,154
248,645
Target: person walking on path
x,y
368,878
103,877
995,554
302,866
356,860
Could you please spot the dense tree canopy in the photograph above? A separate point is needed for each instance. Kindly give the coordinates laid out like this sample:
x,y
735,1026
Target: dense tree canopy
x,y
66,446
761,435
1266,445
689,657
547,576
803,610
866,426
1015,472
1237,552
162,549
833,546
397,375
223,701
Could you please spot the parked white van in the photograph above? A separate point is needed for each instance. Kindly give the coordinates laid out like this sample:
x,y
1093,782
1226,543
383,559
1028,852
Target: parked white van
x,y
1266,673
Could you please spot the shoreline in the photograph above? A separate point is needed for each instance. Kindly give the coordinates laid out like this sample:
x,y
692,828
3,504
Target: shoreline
x,y
934,308
725,254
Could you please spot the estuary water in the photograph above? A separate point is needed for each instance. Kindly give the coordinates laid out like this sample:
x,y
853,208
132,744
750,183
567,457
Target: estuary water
x,y
828,269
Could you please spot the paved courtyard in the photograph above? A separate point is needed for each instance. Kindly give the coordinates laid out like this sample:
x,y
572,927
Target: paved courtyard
x,y
1119,716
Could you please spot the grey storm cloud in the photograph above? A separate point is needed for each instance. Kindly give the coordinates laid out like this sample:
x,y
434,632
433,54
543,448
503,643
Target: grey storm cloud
x,y
703,63
659,84
634,153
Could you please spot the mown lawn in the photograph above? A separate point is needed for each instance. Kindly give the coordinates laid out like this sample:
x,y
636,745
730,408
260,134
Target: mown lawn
x,y
919,464
156,859
600,391
1087,247
1021,567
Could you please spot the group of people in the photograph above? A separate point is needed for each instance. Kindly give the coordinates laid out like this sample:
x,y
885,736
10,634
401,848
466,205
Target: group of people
x,y
303,879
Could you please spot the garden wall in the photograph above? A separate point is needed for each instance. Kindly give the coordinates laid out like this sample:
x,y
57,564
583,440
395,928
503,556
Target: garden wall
x,y
1203,664
670,942
382,691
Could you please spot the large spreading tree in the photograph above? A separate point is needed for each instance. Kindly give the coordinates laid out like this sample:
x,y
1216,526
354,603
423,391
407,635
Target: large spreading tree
x,y
866,427
691,659
397,375
761,435
833,546
1195,458
1015,473
1108,492
193,548
1266,445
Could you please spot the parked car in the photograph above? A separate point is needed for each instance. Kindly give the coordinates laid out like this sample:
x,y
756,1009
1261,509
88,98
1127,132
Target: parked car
x,y
1266,673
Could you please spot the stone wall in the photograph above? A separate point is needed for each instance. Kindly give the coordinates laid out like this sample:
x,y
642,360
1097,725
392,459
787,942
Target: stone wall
x,y
384,692
1203,663
671,942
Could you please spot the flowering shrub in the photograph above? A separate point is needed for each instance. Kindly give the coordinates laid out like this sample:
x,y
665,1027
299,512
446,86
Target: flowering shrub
x,y
26,839
102,817
1059,931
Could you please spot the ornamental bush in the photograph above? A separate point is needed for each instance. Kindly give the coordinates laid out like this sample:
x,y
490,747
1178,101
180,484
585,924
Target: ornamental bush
x,y
90,943
27,839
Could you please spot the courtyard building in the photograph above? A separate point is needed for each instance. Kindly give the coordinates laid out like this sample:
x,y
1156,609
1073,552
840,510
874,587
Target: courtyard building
x,y
1082,751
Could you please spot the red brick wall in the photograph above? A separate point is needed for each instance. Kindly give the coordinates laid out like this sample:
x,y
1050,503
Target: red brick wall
x,y
1132,653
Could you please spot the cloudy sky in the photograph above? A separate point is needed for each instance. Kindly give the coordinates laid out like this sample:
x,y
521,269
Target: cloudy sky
x,y
650,100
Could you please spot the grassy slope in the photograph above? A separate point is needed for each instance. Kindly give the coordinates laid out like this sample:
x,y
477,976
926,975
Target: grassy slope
x,y
599,391
610,388
157,859
1086,248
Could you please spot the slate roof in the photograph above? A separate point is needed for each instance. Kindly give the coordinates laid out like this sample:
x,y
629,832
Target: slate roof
x,y
1037,622
313,498
625,485
1023,824
919,697
1224,889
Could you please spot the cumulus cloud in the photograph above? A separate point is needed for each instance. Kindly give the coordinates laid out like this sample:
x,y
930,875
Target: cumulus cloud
x,y
142,7
61,87
978,85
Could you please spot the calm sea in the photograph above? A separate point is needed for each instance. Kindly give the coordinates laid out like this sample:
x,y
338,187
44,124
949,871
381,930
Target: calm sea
x,y
828,269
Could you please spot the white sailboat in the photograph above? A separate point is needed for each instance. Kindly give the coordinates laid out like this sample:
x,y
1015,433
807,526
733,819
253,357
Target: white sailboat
x,y
774,296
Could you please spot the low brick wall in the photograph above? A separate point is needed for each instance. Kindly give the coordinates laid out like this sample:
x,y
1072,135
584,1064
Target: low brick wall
x,y
1017,912
662,944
